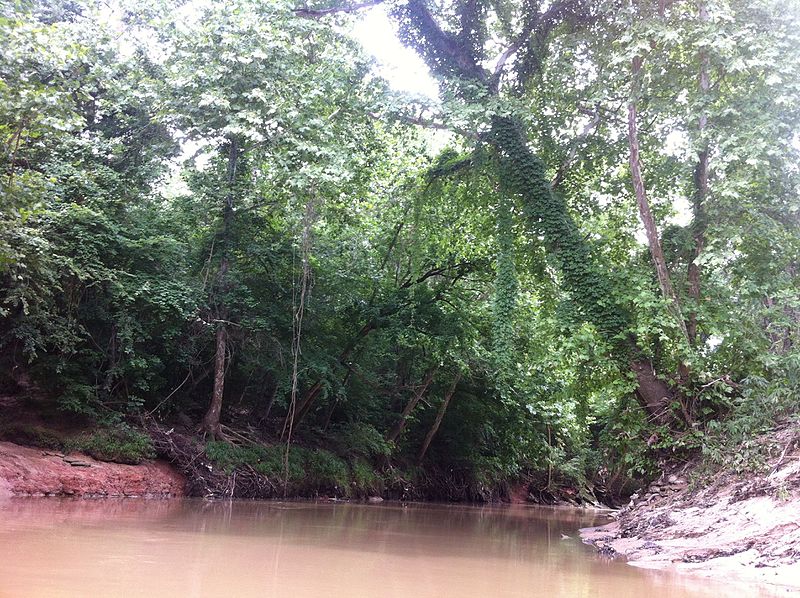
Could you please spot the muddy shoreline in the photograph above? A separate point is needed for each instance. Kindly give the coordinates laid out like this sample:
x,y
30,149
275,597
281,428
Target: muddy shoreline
x,y
738,527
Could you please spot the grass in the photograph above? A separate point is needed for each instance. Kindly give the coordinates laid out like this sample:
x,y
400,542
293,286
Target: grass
x,y
119,445
122,445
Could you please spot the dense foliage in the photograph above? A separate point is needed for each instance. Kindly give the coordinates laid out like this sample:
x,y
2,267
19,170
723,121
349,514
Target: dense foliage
x,y
220,215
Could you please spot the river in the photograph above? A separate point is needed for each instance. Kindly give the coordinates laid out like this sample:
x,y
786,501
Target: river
x,y
191,548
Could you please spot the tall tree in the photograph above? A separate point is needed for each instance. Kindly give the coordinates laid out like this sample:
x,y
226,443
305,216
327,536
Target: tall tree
x,y
455,51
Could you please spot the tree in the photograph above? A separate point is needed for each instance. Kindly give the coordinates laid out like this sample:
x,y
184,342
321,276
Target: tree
x,y
454,50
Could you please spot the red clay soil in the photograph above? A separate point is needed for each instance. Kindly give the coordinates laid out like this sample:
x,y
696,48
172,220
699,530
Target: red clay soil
x,y
37,472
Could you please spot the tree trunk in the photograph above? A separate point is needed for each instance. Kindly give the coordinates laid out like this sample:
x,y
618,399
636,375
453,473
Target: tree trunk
x,y
653,240
211,420
700,194
653,393
399,426
211,424
438,421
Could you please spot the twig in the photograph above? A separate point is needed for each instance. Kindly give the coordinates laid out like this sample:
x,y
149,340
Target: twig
x,y
783,456
169,396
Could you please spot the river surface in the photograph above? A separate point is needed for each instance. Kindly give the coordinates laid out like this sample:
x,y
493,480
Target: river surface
x,y
190,548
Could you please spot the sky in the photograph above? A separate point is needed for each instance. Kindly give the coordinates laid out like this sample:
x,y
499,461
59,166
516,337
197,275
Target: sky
x,y
401,67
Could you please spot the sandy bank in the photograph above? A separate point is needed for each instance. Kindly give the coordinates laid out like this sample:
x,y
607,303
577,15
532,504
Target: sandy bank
x,y
742,527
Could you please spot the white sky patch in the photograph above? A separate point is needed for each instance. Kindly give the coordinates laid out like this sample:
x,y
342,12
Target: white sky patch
x,y
682,208
401,67
676,144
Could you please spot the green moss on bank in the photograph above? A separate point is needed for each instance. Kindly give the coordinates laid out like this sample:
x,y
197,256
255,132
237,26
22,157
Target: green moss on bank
x,y
121,445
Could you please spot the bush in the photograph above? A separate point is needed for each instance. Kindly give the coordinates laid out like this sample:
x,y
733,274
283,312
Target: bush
x,y
326,473
740,442
365,481
263,459
309,471
363,440
29,435
122,445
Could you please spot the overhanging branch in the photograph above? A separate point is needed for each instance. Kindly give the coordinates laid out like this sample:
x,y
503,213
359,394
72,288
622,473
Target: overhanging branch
x,y
429,123
316,13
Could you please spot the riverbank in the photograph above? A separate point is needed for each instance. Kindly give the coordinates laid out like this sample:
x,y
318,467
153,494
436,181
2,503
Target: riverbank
x,y
743,528
729,526
26,471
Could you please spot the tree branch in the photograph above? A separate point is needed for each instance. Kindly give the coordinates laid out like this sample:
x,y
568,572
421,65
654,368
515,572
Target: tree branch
x,y
527,30
441,50
429,123
314,13
573,150
539,26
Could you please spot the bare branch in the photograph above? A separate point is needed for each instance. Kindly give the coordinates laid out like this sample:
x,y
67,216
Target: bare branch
x,y
313,13
501,62
429,123
573,150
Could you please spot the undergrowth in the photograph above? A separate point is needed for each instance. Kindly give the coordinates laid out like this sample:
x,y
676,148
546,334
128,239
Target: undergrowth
x,y
309,471
741,442
122,444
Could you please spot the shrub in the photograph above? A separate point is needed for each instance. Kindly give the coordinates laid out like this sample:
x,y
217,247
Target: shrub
x,y
326,473
310,471
359,439
365,481
121,445
29,435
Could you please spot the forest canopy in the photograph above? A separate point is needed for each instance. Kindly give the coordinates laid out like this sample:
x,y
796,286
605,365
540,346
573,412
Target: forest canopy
x,y
582,256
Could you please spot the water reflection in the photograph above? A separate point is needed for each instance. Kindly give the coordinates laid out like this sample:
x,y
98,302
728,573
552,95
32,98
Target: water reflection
x,y
193,548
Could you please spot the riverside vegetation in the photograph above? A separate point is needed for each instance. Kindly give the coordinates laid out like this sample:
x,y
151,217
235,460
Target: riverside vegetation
x,y
227,240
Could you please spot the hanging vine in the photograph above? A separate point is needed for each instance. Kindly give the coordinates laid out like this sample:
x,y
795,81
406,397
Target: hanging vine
x,y
299,299
505,289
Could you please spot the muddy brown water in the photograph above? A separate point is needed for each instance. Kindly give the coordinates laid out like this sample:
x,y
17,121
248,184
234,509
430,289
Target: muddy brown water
x,y
187,548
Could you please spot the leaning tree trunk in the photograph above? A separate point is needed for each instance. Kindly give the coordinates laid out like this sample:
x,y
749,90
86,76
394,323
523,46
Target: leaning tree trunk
x,y
438,421
211,425
700,192
393,434
453,56
650,228
523,175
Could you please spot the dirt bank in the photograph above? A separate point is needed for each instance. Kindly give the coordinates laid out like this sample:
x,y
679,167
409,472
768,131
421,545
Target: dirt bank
x,y
745,527
37,472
